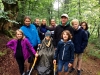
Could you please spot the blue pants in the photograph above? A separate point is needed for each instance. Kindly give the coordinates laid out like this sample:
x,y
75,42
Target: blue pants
x,y
62,64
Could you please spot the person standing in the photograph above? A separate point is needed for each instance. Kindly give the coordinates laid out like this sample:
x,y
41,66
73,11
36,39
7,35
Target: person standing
x,y
31,34
65,52
64,25
80,41
84,25
52,27
42,29
36,23
20,46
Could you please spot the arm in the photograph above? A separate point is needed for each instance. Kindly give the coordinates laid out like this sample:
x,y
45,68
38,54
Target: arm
x,y
72,53
28,44
84,40
10,44
50,28
54,38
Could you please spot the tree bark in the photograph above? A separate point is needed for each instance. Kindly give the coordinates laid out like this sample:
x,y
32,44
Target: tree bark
x,y
12,10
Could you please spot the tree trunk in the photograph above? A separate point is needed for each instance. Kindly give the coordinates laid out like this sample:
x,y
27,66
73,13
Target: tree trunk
x,y
12,10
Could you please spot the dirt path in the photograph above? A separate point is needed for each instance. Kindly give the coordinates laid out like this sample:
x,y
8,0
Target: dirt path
x,y
8,65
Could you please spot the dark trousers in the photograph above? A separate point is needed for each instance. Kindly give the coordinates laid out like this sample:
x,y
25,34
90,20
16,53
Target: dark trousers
x,y
20,62
31,58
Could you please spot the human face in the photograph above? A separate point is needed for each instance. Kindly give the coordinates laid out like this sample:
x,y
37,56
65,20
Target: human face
x,y
64,20
37,21
19,35
47,37
65,36
53,23
83,26
75,25
44,22
27,22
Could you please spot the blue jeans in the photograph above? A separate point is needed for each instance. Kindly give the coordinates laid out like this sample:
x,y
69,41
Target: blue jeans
x,y
62,63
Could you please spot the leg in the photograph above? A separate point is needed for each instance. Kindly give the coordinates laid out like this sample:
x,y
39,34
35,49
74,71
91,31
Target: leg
x,y
66,68
20,64
60,66
74,63
79,61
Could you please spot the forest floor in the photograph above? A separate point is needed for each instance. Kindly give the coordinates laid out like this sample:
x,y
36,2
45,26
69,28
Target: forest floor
x,y
8,65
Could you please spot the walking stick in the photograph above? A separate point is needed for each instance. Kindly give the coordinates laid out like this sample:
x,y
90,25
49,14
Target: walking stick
x,y
34,62
54,69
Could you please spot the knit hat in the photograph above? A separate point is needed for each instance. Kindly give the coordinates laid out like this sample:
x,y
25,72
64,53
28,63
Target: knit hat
x,y
48,33
64,15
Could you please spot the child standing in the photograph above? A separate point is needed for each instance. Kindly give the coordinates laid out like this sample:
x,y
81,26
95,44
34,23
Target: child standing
x,y
46,53
21,46
65,52
80,41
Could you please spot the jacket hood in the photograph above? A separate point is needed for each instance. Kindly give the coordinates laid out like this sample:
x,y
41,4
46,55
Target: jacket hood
x,y
68,42
67,24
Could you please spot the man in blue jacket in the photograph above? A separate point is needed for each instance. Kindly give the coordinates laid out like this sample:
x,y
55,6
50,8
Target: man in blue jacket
x,y
80,41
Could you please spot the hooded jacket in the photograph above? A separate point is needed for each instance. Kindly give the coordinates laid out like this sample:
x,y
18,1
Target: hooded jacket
x,y
65,51
31,34
26,47
58,30
80,40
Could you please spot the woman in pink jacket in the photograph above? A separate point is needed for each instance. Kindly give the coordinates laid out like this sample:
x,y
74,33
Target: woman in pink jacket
x,y
22,48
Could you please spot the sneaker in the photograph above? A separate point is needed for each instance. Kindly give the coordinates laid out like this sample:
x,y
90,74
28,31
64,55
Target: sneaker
x,y
78,72
71,70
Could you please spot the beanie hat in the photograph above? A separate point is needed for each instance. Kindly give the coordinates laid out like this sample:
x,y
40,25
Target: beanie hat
x,y
48,33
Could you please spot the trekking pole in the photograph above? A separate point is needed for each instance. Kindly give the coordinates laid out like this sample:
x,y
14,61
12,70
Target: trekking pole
x,y
34,62
54,69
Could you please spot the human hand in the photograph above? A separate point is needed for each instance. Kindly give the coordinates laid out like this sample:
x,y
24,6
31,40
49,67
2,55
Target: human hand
x,y
54,61
39,45
36,55
69,65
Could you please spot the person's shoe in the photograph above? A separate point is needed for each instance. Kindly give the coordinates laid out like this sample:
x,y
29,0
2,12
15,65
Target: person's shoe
x,y
23,73
71,70
78,72
27,73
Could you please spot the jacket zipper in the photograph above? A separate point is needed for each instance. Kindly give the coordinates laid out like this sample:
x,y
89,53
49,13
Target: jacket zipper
x,y
63,52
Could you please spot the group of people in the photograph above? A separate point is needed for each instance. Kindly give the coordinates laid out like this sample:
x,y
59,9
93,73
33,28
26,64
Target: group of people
x,y
62,44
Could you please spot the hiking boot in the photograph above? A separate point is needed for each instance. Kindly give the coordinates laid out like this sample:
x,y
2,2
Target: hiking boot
x,y
78,72
71,70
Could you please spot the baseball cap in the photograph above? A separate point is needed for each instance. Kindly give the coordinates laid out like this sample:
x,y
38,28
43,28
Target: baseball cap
x,y
64,15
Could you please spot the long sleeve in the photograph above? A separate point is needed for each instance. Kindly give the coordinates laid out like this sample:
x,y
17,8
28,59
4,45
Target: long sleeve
x,y
54,38
30,47
84,40
11,44
56,52
72,53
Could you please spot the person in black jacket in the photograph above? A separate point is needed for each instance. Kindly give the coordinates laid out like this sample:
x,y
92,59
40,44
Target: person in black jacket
x,y
80,41
64,25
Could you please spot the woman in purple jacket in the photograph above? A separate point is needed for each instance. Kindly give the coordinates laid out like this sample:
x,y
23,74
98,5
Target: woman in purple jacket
x,y
21,47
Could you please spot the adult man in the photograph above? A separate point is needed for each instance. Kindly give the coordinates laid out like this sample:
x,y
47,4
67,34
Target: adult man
x,y
52,27
36,23
64,25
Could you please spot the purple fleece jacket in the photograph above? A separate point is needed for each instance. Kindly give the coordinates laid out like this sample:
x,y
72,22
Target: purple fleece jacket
x,y
26,46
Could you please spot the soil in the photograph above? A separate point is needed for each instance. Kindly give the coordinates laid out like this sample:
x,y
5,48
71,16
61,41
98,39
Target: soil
x,y
8,64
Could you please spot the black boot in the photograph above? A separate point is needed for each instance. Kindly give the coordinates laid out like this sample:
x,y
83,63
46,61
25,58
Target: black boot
x,y
71,70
